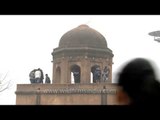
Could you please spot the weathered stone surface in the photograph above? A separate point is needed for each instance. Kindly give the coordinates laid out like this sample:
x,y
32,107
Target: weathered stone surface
x,y
63,94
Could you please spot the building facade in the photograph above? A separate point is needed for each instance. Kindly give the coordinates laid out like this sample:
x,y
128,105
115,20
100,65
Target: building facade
x,y
82,72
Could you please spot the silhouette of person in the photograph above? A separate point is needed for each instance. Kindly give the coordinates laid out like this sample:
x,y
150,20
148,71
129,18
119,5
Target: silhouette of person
x,y
76,75
32,76
47,79
42,76
39,76
138,84
105,74
97,75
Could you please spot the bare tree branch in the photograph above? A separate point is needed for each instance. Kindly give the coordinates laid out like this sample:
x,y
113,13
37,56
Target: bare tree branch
x,y
4,77
6,85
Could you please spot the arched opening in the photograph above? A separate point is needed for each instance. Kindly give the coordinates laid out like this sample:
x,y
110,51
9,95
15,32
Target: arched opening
x,y
58,74
75,74
95,74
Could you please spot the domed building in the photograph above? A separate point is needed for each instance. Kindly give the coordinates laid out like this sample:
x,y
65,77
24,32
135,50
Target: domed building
x,y
82,72
81,48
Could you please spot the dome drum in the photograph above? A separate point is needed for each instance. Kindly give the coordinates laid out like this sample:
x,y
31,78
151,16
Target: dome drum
x,y
90,52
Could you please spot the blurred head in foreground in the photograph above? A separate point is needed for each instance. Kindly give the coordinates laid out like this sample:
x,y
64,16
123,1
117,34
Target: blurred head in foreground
x,y
138,84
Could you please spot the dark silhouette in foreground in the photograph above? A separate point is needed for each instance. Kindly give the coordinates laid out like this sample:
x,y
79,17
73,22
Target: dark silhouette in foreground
x,y
138,84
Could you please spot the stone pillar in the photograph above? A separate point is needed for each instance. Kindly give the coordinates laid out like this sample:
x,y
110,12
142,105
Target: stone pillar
x,y
54,73
103,97
110,66
85,72
64,71
68,75
38,97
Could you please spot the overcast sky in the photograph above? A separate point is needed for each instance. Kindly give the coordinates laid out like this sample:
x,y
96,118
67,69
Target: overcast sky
x,y
27,41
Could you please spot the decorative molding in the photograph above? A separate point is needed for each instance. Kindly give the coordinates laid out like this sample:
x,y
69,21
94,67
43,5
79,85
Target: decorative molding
x,y
70,91
90,52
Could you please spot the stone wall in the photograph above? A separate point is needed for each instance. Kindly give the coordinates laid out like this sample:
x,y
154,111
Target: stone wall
x,y
66,94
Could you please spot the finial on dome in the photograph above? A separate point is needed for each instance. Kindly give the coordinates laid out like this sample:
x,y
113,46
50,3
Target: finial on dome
x,y
83,25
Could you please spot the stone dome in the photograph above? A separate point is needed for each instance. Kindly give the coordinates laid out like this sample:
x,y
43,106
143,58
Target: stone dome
x,y
83,36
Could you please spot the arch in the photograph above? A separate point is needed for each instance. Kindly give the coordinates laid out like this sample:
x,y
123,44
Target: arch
x,y
76,74
96,74
58,74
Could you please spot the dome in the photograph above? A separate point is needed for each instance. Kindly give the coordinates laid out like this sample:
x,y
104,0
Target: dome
x,y
83,36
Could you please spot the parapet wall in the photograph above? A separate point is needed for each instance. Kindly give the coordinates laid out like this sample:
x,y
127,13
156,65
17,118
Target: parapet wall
x,y
66,94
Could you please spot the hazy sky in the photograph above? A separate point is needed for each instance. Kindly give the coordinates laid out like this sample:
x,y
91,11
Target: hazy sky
x,y
27,41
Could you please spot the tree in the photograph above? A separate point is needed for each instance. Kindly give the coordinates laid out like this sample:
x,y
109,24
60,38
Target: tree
x,y
4,83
